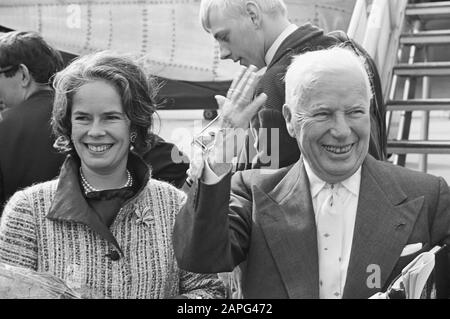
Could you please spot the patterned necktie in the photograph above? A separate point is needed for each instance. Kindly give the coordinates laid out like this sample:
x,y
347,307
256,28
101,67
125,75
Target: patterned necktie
x,y
330,238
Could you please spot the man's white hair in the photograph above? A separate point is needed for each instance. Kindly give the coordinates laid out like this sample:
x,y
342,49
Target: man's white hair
x,y
308,68
238,7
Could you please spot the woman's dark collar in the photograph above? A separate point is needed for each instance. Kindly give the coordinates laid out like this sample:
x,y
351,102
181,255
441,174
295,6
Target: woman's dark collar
x,y
69,203
141,172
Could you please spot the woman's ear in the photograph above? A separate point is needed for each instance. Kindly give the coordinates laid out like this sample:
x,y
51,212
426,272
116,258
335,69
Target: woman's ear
x,y
288,118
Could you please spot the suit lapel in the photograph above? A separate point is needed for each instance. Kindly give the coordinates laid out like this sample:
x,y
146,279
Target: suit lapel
x,y
384,220
288,223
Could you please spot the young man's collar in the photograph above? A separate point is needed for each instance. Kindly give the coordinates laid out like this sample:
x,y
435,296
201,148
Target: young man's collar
x,y
278,41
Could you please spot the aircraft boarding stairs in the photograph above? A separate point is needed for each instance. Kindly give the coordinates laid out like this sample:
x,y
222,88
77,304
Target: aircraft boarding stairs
x,y
410,43
420,82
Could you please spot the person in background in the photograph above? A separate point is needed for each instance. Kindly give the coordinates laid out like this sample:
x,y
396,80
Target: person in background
x,y
337,223
27,64
105,224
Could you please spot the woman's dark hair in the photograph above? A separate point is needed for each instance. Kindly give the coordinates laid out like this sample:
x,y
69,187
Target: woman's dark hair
x,y
137,92
30,49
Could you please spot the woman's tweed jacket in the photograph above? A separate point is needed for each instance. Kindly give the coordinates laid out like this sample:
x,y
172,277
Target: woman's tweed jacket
x,y
77,254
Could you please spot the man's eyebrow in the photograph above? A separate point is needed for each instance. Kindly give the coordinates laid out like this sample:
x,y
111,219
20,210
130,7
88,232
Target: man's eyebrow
x,y
357,106
318,108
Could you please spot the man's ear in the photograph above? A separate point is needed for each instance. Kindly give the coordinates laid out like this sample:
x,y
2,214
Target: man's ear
x,y
254,12
25,75
288,118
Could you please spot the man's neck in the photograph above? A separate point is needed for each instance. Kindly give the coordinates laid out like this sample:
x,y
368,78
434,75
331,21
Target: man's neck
x,y
273,27
35,87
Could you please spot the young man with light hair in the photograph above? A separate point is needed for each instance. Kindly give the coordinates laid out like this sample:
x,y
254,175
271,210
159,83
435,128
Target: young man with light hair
x,y
336,224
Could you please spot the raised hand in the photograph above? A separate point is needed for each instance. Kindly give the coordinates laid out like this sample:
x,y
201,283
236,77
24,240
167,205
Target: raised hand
x,y
237,108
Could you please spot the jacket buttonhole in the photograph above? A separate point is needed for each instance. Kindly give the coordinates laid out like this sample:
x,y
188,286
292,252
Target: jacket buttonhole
x,y
399,225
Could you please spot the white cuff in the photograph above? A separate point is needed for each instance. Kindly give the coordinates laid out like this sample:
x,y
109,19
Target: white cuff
x,y
209,177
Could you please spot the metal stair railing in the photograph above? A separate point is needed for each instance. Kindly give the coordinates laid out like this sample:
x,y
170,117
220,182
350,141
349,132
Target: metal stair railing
x,y
426,37
429,10
408,93
379,26
416,40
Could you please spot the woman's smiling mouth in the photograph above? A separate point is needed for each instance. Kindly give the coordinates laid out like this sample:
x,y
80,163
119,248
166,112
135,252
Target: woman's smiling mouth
x,y
99,148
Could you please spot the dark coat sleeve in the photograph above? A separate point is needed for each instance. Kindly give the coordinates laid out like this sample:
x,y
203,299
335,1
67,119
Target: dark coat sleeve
x,y
439,221
212,231
168,163
2,195
440,230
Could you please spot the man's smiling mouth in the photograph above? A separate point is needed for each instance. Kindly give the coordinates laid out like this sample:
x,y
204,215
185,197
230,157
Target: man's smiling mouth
x,y
338,149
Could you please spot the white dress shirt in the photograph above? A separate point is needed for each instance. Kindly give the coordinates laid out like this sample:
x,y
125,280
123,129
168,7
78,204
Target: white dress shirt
x,y
335,213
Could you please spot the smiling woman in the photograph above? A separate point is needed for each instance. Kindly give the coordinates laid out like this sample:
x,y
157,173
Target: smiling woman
x,y
109,221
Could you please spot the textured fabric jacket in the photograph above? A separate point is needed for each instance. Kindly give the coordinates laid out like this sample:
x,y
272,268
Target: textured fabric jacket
x,y
305,38
70,247
268,220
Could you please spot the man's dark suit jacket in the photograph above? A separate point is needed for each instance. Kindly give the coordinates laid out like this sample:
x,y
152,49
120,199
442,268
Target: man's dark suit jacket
x,y
27,155
26,152
269,221
305,38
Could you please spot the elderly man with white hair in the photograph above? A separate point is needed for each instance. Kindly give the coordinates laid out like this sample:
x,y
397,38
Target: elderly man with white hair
x,y
337,223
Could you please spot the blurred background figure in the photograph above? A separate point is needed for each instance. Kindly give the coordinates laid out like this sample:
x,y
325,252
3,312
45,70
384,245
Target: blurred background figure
x,y
27,64
109,220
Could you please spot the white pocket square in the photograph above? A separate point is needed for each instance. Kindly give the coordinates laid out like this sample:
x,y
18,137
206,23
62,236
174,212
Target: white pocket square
x,y
411,249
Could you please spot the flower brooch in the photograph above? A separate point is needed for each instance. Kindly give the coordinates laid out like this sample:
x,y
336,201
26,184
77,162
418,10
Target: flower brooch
x,y
144,216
